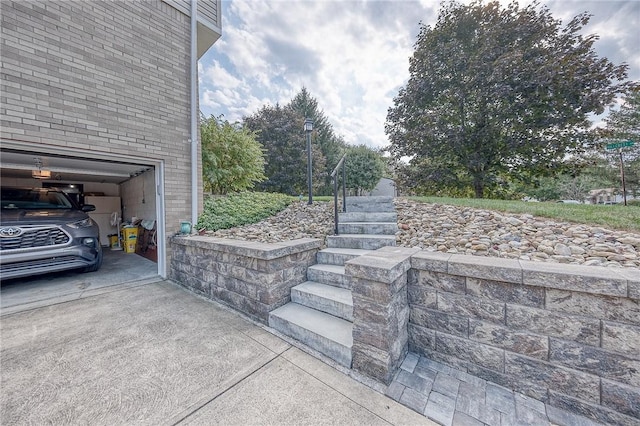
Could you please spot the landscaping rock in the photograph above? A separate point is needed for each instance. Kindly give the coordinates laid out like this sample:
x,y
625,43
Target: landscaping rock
x,y
464,230
518,236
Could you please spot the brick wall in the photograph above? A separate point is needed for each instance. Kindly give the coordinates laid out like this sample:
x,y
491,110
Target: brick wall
x,y
102,77
566,335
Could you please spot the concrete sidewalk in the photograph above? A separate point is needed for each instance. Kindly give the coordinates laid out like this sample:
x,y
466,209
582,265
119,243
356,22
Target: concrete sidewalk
x,y
157,354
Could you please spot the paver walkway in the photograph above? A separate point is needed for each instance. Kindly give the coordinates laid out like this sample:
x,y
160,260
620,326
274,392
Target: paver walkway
x,y
453,397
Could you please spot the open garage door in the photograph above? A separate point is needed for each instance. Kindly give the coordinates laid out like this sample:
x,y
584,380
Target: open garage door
x,y
127,194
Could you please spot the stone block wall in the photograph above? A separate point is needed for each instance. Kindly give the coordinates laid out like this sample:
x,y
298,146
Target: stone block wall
x,y
253,278
563,334
380,311
566,335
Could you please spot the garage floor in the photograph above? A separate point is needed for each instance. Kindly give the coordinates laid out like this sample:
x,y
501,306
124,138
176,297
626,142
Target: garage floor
x,y
118,267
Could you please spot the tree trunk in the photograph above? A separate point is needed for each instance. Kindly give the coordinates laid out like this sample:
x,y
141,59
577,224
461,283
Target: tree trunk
x,y
478,187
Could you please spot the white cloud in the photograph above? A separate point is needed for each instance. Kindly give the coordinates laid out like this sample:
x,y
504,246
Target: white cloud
x,y
217,75
351,56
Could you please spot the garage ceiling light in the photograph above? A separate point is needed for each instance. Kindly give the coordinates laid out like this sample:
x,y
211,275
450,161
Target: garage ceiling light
x,y
41,174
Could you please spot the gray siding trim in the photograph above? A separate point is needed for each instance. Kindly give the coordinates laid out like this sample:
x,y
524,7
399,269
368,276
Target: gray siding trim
x,y
208,11
209,20
181,5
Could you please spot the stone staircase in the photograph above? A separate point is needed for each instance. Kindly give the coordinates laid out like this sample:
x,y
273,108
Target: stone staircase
x,y
320,313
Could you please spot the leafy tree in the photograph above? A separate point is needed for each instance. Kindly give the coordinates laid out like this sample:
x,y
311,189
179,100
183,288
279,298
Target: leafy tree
x,y
331,146
544,189
576,185
624,124
364,168
498,91
575,188
232,158
632,176
280,131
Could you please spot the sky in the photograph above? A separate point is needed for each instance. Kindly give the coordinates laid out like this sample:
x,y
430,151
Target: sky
x,y
353,56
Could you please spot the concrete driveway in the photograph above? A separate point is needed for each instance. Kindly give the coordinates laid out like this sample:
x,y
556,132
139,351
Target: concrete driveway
x,y
154,353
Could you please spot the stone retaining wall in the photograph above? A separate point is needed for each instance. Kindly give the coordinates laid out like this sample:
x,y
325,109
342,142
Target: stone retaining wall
x,y
566,335
380,311
253,278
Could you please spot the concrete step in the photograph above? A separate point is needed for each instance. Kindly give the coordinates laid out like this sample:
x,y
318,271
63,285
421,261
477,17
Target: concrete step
x,y
370,207
377,228
372,199
367,217
338,256
329,274
370,204
325,333
324,298
360,241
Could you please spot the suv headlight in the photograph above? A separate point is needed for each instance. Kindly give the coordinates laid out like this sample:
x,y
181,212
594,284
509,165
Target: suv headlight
x,y
84,223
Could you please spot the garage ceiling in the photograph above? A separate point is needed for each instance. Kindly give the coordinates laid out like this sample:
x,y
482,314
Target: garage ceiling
x,y
19,164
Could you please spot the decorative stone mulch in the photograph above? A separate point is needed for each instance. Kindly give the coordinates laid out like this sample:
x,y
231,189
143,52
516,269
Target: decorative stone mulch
x,y
464,230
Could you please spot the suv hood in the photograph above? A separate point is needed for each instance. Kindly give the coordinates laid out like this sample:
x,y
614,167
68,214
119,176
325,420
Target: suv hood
x,y
22,217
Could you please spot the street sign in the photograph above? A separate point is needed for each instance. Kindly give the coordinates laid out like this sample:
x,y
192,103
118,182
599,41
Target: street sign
x,y
620,144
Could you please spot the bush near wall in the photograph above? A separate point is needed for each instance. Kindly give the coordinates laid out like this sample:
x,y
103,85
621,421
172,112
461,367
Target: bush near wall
x,y
241,208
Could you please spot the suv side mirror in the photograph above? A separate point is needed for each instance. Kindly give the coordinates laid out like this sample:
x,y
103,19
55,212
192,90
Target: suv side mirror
x,y
88,208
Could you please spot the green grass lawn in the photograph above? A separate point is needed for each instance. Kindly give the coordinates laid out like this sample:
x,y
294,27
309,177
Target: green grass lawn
x,y
613,217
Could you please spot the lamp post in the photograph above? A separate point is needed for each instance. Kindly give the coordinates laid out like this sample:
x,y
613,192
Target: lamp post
x,y
308,127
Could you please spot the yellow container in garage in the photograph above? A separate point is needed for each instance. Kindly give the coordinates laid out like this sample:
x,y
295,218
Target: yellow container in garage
x,y
130,238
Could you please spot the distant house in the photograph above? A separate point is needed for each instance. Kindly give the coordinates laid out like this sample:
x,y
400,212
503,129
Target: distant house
x,y
602,196
99,94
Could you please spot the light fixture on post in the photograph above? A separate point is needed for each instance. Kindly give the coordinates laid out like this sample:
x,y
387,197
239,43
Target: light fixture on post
x,y
308,128
40,174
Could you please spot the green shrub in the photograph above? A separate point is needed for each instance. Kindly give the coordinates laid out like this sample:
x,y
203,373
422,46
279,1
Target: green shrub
x,y
241,208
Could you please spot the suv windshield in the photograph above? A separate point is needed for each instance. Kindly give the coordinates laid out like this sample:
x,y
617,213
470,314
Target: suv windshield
x,y
16,198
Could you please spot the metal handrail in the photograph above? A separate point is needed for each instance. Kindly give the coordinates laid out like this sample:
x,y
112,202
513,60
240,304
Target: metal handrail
x,y
340,164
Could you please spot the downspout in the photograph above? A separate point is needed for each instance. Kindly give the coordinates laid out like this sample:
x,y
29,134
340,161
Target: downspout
x,y
194,113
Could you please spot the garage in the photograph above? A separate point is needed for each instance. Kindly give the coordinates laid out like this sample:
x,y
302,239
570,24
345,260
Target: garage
x,y
107,111
127,194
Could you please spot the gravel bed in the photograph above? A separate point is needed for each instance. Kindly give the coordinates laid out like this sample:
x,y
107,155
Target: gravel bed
x,y
465,230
